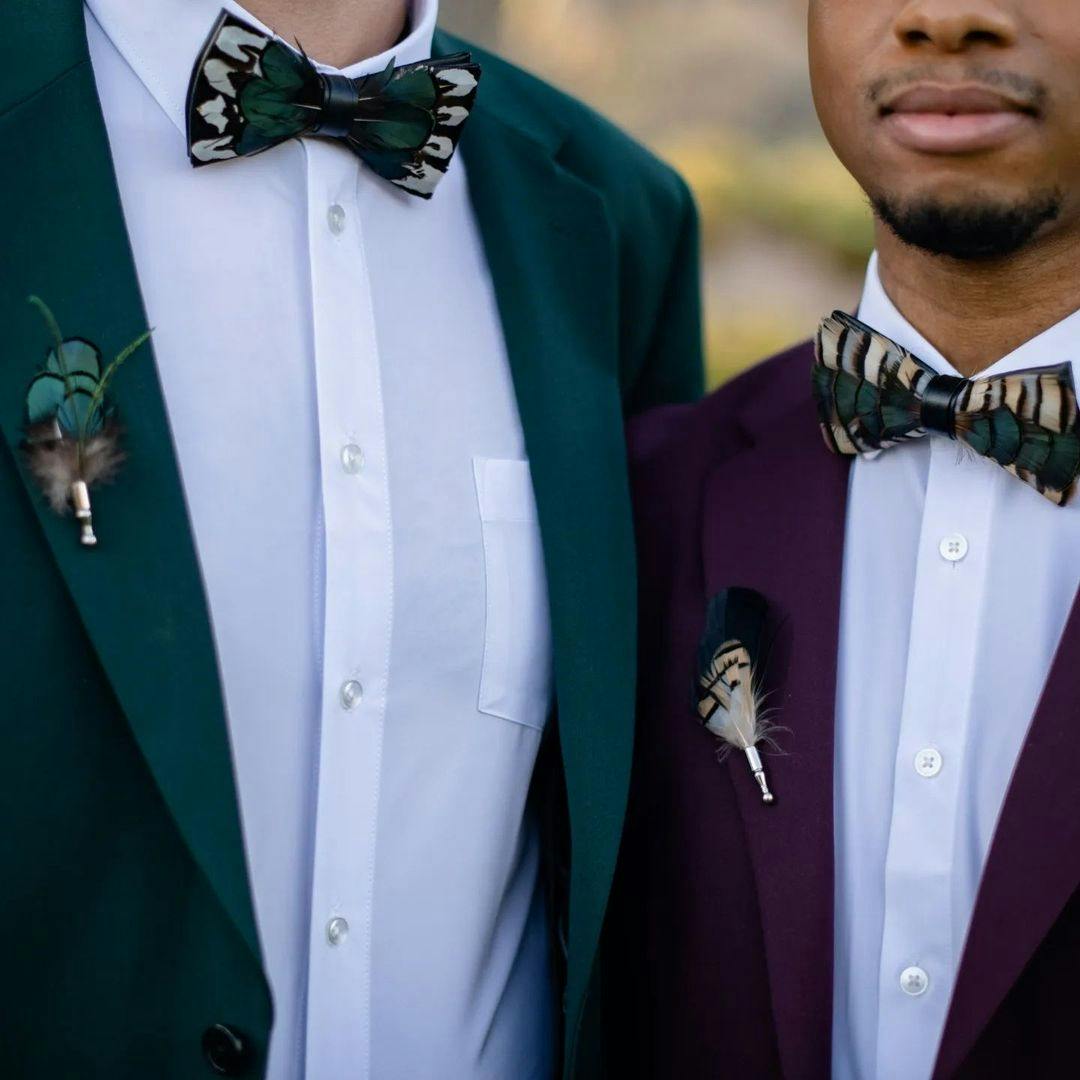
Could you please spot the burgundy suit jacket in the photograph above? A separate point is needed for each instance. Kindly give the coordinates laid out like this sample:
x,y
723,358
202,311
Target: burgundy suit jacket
x,y
720,941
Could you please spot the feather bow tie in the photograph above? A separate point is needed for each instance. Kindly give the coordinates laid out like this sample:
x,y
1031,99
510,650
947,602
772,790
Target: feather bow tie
x,y
872,394
250,91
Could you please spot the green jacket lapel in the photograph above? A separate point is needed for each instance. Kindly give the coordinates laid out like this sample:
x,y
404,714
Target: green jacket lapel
x,y
139,594
552,255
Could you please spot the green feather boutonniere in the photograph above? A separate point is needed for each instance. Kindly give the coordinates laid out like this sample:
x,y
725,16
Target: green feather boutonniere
x,y
72,434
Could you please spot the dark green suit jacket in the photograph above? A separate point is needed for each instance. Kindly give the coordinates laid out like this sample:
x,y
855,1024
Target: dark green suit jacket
x,y
127,928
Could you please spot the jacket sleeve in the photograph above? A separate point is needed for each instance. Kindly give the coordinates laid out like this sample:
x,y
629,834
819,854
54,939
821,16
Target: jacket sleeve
x,y
674,367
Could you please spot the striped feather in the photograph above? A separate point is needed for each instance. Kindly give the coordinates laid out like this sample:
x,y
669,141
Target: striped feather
x,y
1026,421
867,402
728,699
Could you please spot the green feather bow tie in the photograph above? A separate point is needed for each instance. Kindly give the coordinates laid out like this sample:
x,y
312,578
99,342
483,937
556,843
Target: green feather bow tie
x,y
872,394
249,92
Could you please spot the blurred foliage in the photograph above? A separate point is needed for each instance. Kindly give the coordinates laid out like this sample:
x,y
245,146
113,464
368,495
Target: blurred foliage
x,y
786,230
737,341
797,188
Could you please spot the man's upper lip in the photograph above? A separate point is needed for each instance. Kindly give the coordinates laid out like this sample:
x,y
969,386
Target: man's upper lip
x,y
953,101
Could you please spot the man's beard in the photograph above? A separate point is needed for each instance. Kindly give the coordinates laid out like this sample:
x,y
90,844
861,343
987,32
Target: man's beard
x,y
971,231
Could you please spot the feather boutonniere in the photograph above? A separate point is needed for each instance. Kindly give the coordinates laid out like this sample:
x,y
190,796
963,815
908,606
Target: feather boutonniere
x,y
72,435
730,700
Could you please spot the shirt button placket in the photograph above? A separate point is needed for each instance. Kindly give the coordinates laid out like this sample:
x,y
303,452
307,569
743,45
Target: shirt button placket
x,y
356,616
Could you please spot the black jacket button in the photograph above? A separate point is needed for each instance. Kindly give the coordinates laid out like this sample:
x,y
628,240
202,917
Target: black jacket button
x,y
227,1051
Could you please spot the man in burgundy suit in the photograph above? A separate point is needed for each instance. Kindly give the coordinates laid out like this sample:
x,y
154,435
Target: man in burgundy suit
x,y
907,905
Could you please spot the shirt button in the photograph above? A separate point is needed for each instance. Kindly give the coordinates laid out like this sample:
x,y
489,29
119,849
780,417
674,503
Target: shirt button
x,y
335,218
954,547
351,693
914,981
352,459
928,763
337,929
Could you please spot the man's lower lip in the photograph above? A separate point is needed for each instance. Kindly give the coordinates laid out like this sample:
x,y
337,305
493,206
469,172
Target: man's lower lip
x,y
963,133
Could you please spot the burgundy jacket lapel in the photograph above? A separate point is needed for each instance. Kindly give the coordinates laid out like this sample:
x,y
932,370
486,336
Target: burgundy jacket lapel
x,y
1034,863
774,521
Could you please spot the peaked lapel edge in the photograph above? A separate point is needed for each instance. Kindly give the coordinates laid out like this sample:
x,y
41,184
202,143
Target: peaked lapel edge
x,y
788,543
1033,867
139,595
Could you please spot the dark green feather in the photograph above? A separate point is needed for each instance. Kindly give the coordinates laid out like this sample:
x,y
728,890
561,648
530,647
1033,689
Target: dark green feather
x,y
845,390
1054,459
868,410
413,88
995,435
899,410
1034,451
268,102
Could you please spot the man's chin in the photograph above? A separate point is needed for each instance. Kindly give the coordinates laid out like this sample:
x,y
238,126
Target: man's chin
x,y
975,229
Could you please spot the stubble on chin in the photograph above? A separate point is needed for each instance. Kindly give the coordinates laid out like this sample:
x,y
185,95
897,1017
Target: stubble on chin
x,y
973,230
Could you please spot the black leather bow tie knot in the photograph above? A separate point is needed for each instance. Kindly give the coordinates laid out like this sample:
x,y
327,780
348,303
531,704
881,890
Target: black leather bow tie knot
x,y
873,394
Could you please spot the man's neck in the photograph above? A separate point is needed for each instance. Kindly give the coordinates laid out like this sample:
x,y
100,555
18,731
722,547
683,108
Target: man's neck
x,y
974,313
335,32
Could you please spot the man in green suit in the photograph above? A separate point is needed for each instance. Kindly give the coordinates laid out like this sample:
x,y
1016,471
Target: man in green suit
x,y
314,764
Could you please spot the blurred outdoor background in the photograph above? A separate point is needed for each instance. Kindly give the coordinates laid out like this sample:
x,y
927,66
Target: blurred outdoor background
x,y
719,89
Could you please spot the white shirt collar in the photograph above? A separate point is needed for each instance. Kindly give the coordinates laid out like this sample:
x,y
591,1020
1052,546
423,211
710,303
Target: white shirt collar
x,y
1056,345
162,40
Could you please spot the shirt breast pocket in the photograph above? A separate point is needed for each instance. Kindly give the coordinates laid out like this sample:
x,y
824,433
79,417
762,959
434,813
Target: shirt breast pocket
x,y
516,675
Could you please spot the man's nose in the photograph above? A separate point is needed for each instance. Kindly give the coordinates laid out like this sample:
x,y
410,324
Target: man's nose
x,y
954,26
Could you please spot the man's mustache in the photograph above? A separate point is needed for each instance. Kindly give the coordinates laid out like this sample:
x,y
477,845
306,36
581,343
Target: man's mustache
x,y
1029,93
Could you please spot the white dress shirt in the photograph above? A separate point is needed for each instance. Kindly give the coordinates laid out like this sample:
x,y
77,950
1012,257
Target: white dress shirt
x,y
958,580
353,462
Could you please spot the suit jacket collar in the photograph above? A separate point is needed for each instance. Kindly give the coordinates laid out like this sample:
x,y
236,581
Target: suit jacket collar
x,y
501,103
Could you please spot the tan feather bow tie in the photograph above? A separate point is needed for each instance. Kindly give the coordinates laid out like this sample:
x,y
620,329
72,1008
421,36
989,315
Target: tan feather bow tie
x,y
873,394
